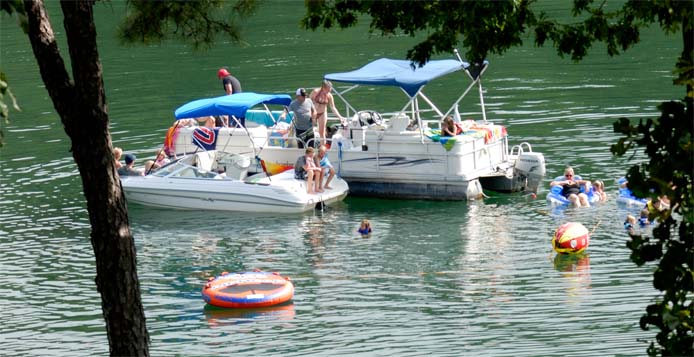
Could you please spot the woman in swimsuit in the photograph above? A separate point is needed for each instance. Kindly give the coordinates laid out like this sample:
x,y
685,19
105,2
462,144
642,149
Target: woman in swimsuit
x,y
321,98
448,128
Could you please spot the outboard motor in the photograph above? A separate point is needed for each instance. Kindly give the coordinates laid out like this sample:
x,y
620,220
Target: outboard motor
x,y
531,165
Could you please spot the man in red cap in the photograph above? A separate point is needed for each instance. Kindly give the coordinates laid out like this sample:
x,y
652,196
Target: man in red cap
x,y
230,83
231,86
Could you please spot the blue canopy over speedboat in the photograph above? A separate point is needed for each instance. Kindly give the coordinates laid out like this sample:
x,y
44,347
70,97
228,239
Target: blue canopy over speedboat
x,y
399,73
235,104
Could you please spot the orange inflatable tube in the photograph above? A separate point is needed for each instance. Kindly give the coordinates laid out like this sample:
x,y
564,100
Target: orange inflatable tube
x,y
248,290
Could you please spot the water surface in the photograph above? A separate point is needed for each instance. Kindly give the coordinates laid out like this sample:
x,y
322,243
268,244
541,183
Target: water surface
x,y
439,278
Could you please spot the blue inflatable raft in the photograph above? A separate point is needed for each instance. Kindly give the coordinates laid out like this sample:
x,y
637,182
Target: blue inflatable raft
x,y
555,198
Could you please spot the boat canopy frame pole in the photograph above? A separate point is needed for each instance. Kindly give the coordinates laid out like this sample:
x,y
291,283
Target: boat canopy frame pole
x,y
238,122
477,80
455,104
433,106
416,113
231,133
479,86
256,153
274,122
347,104
413,103
269,112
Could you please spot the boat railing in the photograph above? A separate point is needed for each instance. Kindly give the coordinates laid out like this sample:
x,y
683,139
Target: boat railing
x,y
482,156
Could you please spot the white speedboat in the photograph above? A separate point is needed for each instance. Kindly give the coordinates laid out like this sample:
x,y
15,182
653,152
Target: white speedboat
x,y
219,180
212,180
398,154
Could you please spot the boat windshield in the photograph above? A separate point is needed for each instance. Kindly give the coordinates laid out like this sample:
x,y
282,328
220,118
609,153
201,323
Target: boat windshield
x,y
181,169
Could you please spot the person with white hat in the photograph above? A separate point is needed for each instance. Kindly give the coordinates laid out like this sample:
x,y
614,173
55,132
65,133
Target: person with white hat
x,y
304,116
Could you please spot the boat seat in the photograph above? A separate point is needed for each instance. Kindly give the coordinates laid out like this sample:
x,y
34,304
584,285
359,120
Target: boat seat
x,y
203,161
398,123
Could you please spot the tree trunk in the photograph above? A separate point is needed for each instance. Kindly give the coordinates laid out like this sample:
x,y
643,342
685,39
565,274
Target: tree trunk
x,y
82,108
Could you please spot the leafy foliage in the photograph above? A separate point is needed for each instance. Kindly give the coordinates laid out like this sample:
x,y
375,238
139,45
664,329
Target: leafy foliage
x,y
668,142
196,22
15,8
494,26
486,26
82,108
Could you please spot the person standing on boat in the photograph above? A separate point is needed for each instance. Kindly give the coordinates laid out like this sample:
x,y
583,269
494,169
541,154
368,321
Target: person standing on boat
x,y
304,116
571,188
231,86
322,98
230,83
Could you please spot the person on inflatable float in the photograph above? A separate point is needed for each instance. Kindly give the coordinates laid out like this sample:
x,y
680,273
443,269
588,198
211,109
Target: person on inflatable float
x,y
571,188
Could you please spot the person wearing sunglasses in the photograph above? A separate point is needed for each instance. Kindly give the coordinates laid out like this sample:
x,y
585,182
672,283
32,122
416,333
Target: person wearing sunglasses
x,y
571,188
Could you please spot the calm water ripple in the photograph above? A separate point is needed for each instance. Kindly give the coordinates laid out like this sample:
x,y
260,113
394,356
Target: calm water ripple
x,y
436,278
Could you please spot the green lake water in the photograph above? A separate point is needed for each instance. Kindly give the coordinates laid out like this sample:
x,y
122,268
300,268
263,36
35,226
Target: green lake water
x,y
435,278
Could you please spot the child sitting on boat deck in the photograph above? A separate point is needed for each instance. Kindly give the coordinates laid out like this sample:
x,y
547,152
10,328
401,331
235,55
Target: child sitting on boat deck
x,y
306,169
365,228
326,167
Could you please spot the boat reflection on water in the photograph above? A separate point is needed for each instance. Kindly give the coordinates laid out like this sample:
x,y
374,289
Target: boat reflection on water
x,y
218,317
576,269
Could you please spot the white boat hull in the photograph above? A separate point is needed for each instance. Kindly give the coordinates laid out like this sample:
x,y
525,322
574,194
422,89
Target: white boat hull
x,y
277,194
385,164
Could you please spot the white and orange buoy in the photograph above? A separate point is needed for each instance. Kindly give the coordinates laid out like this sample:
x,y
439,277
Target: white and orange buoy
x,y
571,237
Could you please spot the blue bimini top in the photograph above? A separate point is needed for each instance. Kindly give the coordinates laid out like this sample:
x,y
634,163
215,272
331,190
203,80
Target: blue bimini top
x,y
398,73
235,104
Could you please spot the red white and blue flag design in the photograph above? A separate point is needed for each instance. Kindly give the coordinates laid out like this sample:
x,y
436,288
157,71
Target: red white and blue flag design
x,y
206,138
